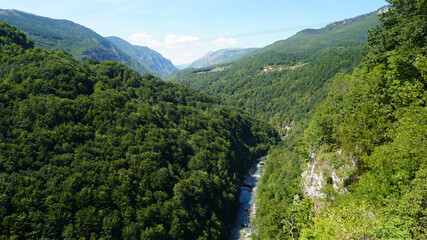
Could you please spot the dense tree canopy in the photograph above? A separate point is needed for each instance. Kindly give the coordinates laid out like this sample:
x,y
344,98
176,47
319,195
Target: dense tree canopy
x,y
376,116
93,150
285,81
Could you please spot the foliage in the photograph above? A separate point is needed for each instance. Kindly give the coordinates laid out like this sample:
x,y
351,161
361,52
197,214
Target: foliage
x,y
93,150
12,35
284,82
379,114
282,209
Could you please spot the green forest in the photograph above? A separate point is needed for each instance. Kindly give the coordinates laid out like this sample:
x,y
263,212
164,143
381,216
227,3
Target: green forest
x,y
92,150
285,81
370,131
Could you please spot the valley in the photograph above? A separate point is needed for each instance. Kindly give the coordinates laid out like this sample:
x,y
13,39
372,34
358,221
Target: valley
x,y
321,135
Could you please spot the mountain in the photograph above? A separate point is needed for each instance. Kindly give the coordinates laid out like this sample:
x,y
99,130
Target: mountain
x,y
359,171
81,42
309,40
92,150
284,82
221,56
150,59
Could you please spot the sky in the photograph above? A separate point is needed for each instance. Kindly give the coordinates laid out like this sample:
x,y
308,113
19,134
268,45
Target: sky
x,y
185,30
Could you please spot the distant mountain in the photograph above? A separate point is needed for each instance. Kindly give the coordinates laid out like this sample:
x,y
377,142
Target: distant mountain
x,y
150,59
221,56
81,42
183,66
284,82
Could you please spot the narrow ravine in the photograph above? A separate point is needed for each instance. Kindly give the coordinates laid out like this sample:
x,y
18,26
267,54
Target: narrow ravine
x,y
243,226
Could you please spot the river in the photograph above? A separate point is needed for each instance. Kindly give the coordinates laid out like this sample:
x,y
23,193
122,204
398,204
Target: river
x,y
243,226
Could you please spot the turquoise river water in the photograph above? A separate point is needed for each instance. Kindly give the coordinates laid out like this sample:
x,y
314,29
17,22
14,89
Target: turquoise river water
x,y
243,226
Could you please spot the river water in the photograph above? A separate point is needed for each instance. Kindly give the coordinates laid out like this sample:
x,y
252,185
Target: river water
x,y
243,226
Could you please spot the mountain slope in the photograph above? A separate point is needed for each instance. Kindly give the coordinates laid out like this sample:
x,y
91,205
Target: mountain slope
x,y
81,42
359,170
283,83
221,56
93,150
349,30
150,59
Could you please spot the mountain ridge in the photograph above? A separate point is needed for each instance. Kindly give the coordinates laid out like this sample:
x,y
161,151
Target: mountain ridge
x,y
359,170
303,41
62,34
150,59
283,82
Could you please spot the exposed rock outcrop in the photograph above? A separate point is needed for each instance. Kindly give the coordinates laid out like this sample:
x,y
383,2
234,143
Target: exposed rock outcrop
x,y
323,169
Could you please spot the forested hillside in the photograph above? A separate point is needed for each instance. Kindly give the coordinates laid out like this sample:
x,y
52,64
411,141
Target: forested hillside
x,y
283,83
365,147
92,150
81,42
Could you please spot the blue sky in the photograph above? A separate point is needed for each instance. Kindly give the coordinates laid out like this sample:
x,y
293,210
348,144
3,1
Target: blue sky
x,y
164,25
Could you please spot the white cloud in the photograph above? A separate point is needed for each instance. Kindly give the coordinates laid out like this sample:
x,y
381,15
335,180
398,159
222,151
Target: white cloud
x,y
170,41
181,49
143,39
224,42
